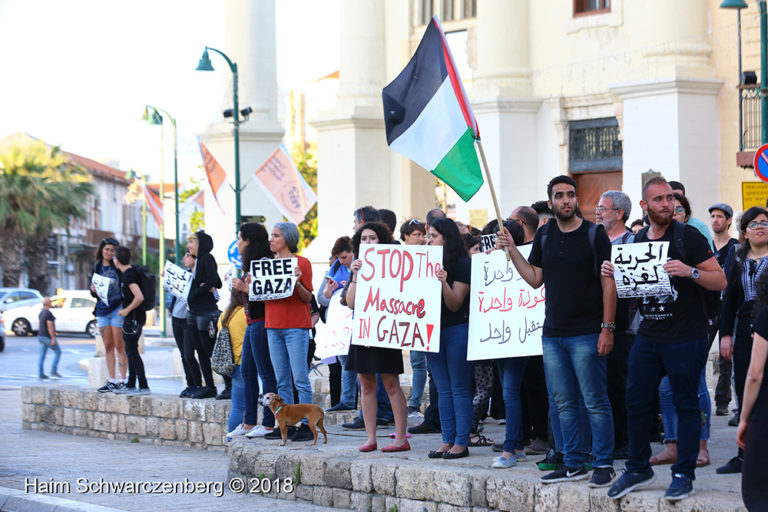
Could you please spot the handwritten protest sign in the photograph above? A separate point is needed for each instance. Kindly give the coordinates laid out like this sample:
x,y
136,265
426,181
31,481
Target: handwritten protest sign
x,y
176,279
397,301
638,269
338,330
272,279
505,314
101,284
487,242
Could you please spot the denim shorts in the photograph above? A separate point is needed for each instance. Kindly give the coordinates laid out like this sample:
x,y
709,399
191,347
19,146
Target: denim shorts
x,y
113,319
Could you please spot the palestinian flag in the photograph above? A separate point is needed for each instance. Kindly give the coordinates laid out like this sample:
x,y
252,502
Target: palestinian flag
x,y
428,117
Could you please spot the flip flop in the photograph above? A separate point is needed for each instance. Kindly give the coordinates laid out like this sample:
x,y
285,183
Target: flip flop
x,y
703,459
481,440
656,460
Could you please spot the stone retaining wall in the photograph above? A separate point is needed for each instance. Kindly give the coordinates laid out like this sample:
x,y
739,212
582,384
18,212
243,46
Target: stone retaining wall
x,y
157,419
380,483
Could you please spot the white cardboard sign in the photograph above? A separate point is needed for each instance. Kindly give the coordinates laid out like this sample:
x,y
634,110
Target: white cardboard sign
x,y
101,284
506,315
397,300
338,330
272,279
176,279
638,269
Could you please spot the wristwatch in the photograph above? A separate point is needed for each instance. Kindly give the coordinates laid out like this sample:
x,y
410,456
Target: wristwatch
x,y
694,273
609,325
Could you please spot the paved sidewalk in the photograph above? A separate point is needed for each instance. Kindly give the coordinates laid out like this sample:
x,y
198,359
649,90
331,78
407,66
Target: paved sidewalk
x,y
63,459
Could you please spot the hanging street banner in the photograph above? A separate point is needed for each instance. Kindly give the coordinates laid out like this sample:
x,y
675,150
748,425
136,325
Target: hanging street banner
x,y
272,279
505,314
397,300
338,330
176,279
284,185
101,284
638,269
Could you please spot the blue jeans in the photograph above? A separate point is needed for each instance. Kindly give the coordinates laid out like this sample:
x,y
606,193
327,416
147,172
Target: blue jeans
x,y
419,379
669,417
648,363
574,371
453,377
585,433
255,363
45,344
288,352
238,399
348,384
511,372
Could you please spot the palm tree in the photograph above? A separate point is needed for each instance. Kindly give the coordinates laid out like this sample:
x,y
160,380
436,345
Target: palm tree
x,y
40,190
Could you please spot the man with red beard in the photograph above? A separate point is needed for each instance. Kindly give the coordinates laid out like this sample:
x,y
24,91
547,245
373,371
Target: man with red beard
x,y
672,340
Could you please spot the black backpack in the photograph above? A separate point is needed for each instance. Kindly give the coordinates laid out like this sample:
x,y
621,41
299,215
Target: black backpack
x,y
148,287
709,298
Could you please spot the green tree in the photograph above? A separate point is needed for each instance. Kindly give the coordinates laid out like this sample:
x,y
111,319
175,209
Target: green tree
x,y
306,162
40,190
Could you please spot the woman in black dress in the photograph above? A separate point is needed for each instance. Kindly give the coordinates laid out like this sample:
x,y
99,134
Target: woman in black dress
x,y
368,361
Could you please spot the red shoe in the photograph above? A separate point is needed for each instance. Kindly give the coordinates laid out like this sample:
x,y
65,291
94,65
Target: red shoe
x,y
368,447
397,448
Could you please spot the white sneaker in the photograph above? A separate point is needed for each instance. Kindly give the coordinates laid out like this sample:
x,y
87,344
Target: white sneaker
x,y
239,431
258,431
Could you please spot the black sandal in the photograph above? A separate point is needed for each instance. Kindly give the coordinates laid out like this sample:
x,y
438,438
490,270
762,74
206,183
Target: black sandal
x,y
481,440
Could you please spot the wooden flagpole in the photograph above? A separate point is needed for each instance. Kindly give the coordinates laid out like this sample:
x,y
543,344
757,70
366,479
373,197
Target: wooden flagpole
x,y
493,191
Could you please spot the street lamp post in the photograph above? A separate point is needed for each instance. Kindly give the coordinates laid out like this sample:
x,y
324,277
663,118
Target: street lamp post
x,y
205,65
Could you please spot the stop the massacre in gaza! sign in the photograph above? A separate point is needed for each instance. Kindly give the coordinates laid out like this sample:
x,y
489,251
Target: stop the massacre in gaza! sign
x,y
397,300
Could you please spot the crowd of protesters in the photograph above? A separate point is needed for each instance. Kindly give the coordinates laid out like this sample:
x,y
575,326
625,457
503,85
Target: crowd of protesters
x,y
615,372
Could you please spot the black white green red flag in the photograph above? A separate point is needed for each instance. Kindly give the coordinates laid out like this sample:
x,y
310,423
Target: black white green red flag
x,y
429,119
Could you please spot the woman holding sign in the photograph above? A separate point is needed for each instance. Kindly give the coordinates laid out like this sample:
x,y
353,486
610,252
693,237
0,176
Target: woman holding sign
x,y
368,361
449,367
109,322
253,244
288,322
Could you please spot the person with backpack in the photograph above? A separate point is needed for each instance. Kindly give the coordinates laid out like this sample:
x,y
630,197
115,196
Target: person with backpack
x,y
134,316
578,328
673,340
747,264
203,312
107,318
235,321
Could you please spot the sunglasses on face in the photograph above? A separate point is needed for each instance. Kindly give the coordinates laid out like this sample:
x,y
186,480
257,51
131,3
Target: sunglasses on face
x,y
679,209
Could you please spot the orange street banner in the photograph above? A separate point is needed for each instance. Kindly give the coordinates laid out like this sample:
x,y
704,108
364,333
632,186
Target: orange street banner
x,y
282,182
214,172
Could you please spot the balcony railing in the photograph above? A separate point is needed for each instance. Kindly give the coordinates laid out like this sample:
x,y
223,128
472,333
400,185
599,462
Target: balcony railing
x,y
750,122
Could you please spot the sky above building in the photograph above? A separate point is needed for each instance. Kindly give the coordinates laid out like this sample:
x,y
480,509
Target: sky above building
x,y
79,73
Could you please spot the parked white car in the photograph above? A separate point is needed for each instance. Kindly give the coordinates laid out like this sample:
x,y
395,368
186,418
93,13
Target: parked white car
x,y
73,310
18,298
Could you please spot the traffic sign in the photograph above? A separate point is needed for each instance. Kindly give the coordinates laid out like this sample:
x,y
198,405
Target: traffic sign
x,y
761,162
234,255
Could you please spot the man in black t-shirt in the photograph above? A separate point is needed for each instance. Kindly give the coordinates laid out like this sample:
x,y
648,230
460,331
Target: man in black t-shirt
x,y
578,327
46,335
672,340
134,318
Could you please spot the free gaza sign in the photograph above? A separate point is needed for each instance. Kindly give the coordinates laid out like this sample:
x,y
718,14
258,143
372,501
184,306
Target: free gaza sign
x,y
397,299
272,279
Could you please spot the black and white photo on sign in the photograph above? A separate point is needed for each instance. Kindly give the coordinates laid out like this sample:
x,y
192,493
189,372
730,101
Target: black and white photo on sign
x,y
272,279
638,269
487,242
176,279
101,284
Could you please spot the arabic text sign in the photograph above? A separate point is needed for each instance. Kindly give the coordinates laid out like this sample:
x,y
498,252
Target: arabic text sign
x,y
338,332
397,300
176,279
272,279
101,284
638,269
505,314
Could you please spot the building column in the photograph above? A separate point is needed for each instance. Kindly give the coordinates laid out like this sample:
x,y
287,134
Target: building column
x,y
507,113
353,158
250,43
671,127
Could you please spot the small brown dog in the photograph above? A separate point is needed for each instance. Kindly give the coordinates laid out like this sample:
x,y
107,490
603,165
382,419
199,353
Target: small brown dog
x,y
289,414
